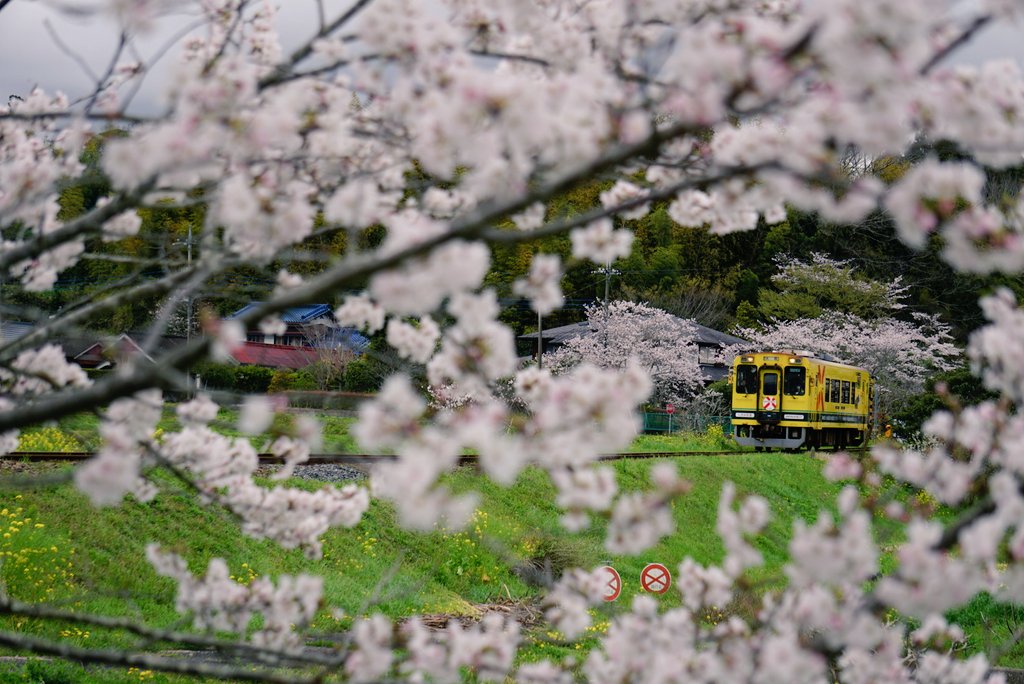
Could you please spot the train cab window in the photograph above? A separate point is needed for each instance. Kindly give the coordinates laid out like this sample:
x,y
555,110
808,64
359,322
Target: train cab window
x,y
831,390
770,383
853,394
746,379
846,391
794,381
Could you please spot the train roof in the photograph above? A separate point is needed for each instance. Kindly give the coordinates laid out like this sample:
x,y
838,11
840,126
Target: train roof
x,y
805,353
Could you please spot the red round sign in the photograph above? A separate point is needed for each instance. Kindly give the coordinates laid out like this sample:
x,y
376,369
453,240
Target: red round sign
x,y
670,408
613,586
655,578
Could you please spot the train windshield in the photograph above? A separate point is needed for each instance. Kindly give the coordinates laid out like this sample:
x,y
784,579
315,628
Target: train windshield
x,y
795,381
770,383
746,379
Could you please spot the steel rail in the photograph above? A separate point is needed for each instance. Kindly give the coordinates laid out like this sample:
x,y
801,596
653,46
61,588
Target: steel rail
x,y
369,459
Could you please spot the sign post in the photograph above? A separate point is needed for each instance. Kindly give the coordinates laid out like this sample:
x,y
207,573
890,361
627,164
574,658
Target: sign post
x,y
670,409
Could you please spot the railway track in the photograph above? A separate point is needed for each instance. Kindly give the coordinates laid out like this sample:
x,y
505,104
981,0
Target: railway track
x,y
366,459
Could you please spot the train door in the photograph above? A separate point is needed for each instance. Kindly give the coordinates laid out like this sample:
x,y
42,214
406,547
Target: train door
x,y
771,391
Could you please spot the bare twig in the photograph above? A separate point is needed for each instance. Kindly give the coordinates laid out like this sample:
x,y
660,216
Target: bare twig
x,y
63,47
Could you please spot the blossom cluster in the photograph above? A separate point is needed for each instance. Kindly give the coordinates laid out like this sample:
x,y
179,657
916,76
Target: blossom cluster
x,y
218,603
436,126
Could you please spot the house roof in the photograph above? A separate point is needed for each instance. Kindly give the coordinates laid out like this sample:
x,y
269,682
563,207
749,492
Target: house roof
x,y
106,350
295,314
561,333
706,335
274,355
12,330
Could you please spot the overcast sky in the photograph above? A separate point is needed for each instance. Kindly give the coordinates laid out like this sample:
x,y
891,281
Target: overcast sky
x,y
30,55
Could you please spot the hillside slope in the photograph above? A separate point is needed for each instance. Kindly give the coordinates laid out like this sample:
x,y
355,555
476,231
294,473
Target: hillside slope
x,y
57,547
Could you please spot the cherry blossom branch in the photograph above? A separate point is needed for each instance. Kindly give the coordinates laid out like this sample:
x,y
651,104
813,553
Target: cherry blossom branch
x,y
43,332
86,224
979,23
120,115
11,606
352,270
512,57
102,81
307,49
554,228
190,666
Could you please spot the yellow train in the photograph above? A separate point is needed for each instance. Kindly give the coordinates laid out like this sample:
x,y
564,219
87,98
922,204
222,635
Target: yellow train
x,y
796,400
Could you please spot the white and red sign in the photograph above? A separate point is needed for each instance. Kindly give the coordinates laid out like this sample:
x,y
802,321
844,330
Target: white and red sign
x,y
768,404
670,408
655,578
613,587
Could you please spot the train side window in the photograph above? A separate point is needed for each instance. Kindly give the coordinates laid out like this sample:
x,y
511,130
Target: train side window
x,y
846,391
794,382
853,394
746,379
828,390
832,390
770,383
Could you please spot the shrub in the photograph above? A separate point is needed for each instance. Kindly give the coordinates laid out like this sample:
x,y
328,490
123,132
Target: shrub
x,y
281,381
253,379
48,439
360,376
215,375
303,380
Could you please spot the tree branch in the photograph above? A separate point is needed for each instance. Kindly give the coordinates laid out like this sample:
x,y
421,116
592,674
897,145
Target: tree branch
x,y
189,666
10,606
356,269
968,33
83,225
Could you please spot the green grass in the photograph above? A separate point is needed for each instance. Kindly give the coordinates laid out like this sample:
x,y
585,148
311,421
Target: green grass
x,y
92,560
81,432
61,550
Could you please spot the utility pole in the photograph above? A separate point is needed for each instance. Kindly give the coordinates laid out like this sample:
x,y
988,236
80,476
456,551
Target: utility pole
x,y
608,272
540,341
188,302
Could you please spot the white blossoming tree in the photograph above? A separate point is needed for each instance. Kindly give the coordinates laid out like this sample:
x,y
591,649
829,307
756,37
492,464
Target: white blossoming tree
x,y
443,127
861,326
662,344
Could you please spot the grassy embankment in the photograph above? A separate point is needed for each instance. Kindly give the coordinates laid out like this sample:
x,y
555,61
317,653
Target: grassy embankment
x,y
56,547
80,433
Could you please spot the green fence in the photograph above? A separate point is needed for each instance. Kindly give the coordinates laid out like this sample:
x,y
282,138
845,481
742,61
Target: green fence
x,y
681,422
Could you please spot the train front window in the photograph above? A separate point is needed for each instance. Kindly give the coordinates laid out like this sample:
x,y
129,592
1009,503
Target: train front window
x,y
770,384
746,379
794,381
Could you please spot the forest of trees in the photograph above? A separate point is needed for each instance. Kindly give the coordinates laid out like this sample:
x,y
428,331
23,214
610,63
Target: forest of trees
x,y
721,281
